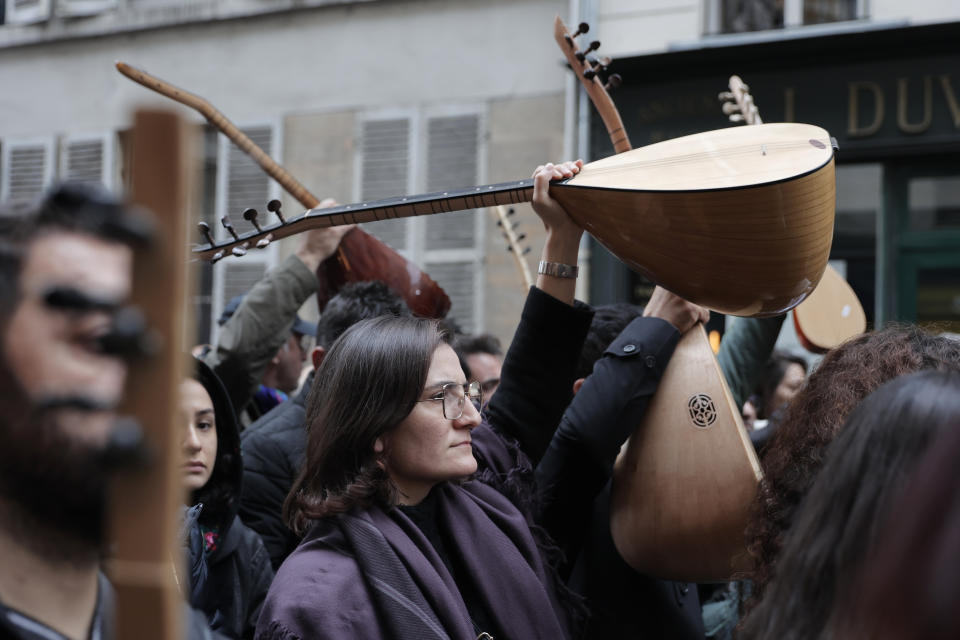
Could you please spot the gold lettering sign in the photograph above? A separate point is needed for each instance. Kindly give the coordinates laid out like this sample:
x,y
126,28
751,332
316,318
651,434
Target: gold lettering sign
x,y
903,90
872,89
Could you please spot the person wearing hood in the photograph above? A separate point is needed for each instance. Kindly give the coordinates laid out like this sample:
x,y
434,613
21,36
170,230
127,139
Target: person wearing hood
x,y
237,572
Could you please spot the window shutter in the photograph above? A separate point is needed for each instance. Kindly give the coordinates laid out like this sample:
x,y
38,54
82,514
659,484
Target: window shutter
x,y
451,164
75,8
452,255
27,11
27,170
241,184
87,160
458,279
239,277
384,173
247,185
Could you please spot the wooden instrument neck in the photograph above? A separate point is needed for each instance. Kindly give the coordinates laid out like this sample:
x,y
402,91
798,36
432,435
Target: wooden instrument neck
x,y
504,193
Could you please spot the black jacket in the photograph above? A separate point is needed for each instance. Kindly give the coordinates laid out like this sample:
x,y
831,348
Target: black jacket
x,y
273,450
238,568
576,509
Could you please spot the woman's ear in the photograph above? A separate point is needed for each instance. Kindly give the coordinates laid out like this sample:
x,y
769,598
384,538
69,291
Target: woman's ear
x,y
317,356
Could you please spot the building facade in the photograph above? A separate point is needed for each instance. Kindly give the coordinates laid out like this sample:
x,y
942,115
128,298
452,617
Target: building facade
x,y
881,77
375,98
358,100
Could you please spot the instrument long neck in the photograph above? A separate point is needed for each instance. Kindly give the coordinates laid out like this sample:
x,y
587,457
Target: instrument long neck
x,y
503,193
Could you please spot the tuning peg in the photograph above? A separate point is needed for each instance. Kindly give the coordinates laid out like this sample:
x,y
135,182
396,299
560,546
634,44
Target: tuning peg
x,y
241,250
262,243
521,236
250,215
583,27
217,257
511,211
613,82
582,55
736,117
597,66
225,220
730,107
205,230
525,251
274,207
726,95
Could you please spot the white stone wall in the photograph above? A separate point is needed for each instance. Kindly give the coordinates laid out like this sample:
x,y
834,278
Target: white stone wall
x,y
326,59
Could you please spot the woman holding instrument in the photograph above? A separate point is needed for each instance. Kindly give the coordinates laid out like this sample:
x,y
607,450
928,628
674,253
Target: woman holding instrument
x,y
415,508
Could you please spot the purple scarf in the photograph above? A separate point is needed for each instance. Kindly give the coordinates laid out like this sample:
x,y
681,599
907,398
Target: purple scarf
x,y
374,574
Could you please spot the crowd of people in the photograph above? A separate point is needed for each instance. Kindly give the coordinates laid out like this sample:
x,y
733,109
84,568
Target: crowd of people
x,y
420,484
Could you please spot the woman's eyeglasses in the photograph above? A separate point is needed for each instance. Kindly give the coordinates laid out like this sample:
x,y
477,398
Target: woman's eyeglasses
x,y
453,395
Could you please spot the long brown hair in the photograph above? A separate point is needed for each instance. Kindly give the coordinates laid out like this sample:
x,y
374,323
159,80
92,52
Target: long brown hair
x,y
866,468
368,383
846,375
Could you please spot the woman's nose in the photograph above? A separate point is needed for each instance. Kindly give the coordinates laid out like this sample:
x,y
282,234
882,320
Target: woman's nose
x,y
190,440
470,417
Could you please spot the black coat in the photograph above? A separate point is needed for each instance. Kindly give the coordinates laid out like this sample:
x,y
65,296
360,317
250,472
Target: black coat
x,y
576,510
273,451
238,569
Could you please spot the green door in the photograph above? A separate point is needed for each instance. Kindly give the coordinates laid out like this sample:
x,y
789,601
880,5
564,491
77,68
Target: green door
x,y
918,264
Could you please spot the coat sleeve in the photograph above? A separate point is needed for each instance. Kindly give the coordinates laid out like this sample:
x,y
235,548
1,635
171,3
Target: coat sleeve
x,y
608,407
536,380
259,327
744,350
266,482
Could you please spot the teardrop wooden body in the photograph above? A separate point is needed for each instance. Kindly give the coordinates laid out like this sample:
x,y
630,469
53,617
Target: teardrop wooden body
x,y
684,481
831,315
680,213
362,257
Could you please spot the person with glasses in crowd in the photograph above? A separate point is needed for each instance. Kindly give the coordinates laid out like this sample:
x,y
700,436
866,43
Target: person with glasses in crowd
x,y
416,511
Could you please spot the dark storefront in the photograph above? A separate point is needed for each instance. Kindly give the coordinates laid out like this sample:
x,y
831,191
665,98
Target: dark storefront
x,y
891,98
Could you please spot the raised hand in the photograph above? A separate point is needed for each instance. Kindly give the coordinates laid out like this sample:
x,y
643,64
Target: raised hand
x,y
675,310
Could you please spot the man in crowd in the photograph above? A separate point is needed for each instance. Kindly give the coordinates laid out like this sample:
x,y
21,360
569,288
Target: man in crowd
x,y
258,343
483,357
65,270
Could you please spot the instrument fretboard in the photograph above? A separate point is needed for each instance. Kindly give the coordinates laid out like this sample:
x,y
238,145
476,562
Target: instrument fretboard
x,y
503,193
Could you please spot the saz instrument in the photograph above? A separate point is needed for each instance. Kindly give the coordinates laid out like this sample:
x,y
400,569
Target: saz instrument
x,y
831,314
684,481
360,256
514,246
145,498
714,195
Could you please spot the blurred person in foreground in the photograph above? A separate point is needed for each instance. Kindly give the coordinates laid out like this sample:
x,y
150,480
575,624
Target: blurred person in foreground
x,y
65,272
796,452
908,587
845,510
